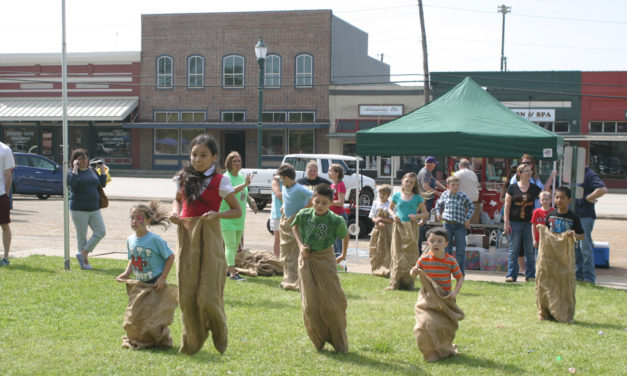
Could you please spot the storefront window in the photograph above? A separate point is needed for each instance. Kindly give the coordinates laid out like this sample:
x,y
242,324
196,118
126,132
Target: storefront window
x,y
301,142
273,143
609,159
21,139
112,142
187,135
166,141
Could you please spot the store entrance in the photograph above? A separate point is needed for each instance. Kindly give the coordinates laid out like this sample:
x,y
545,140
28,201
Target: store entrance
x,y
51,143
235,141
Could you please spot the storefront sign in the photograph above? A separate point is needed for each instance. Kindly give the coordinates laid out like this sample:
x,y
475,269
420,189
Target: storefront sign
x,y
533,114
382,110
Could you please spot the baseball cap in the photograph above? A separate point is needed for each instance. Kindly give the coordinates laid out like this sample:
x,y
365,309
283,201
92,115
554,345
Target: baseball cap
x,y
431,160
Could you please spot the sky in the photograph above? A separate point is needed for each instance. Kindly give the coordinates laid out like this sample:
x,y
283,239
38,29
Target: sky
x,y
462,35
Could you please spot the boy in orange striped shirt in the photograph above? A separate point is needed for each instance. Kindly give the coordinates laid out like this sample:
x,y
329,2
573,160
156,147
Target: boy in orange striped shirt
x,y
438,264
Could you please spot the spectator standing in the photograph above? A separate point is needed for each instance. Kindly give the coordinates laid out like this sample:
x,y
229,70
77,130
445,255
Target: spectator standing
x,y
593,188
428,186
7,163
519,206
336,173
468,182
311,178
233,228
528,160
84,181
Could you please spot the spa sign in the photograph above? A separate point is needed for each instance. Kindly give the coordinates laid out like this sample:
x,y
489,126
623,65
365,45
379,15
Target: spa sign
x,y
541,114
380,110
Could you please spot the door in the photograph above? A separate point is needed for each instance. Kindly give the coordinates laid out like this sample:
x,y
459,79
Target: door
x,y
51,143
235,141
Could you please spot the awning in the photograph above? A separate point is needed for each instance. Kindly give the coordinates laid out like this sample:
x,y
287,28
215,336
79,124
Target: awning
x,y
229,126
596,137
51,109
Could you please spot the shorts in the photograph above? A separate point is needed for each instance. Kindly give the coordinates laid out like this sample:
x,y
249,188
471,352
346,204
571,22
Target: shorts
x,y
274,224
5,209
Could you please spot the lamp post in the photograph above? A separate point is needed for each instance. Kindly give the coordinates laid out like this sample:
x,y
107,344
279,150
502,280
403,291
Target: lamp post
x,y
260,51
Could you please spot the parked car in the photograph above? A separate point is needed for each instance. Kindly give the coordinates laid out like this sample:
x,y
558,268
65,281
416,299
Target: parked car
x,y
37,175
261,187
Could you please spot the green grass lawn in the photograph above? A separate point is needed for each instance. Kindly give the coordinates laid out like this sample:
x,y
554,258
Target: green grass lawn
x,y
56,322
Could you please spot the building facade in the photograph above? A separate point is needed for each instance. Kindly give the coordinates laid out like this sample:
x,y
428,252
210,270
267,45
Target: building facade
x,y
358,107
103,92
588,109
200,75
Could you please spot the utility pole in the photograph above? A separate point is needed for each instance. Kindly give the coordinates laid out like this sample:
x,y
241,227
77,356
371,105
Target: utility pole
x,y
425,63
503,9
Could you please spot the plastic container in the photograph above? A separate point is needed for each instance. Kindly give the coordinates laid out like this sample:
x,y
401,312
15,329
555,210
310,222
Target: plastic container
x,y
601,254
494,260
473,258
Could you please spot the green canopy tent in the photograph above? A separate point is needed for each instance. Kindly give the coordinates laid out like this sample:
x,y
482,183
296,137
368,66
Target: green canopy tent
x,y
466,121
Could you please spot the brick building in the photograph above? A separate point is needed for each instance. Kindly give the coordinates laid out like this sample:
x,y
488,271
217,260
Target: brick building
x,y
200,74
103,92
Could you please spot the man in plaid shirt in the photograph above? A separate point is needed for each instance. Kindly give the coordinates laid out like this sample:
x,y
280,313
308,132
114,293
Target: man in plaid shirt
x,y
458,210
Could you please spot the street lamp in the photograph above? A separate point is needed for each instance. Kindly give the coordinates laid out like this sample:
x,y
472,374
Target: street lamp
x,y
260,51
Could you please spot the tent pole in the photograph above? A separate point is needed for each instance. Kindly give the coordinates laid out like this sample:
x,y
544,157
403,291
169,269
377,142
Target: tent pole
x,y
357,192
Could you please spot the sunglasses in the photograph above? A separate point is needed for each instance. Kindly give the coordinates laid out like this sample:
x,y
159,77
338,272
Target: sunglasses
x,y
527,163
95,164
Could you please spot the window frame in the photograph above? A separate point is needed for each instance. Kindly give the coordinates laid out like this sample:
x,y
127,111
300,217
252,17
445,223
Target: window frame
x,y
201,74
159,76
300,75
273,75
233,75
232,112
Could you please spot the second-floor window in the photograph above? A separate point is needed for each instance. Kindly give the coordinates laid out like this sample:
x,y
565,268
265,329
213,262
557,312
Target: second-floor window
x,y
273,71
195,72
233,71
304,71
164,72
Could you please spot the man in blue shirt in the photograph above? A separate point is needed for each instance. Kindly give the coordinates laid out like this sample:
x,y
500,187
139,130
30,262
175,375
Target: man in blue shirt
x,y
593,188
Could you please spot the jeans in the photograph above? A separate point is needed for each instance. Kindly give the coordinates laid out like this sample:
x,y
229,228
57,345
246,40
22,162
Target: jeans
x,y
584,254
339,242
422,230
93,219
457,232
521,237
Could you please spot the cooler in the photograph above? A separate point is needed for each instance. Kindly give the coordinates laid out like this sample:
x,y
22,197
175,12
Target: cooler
x,y
601,254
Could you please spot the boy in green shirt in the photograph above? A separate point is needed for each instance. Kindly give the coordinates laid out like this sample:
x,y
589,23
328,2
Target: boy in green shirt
x,y
324,302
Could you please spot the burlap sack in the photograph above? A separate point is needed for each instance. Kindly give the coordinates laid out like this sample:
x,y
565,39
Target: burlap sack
x,y
324,302
201,271
380,243
404,254
148,315
555,276
437,320
289,254
258,263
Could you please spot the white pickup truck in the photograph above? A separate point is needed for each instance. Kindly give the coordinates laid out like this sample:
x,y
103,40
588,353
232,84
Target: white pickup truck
x,y
260,188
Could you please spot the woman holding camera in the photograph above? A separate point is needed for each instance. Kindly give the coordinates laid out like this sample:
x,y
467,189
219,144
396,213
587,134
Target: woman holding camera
x,y
83,181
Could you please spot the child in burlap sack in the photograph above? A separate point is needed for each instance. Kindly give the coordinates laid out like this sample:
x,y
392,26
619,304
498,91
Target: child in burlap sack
x,y
324,302
381,237
409,212
295,197
201,266
436,310
555,275
151,306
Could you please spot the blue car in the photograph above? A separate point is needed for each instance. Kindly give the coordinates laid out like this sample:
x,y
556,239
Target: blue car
x,y
37,175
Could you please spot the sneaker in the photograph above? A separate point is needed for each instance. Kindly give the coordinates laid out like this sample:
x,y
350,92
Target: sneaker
x,y
237,278
87,267
79,257
4,262
509,279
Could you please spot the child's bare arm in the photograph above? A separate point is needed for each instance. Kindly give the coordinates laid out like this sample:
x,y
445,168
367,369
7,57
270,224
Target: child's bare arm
x,y
344,249
234,212
533,235
175,217
304,250
161,281
126,273
458,286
